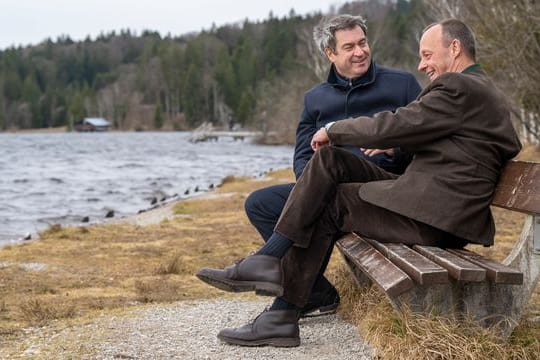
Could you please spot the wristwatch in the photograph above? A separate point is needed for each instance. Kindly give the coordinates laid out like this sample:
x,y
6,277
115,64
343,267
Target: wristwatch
x,y
329,125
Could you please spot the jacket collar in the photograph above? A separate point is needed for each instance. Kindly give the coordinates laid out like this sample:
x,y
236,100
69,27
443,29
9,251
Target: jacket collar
x,y
335,79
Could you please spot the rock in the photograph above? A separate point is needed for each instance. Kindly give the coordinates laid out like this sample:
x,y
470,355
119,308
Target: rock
x,y
28,236
196,189
85,219
186,192
211,186
153,201
109,214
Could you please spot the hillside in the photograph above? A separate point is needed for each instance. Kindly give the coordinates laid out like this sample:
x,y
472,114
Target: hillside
x,y
252,74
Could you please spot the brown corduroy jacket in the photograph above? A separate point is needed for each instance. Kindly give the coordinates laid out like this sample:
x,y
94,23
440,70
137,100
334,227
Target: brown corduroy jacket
x,y
461,135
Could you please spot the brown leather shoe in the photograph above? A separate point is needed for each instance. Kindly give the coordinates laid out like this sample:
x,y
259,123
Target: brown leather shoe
x,y
261,273
272,327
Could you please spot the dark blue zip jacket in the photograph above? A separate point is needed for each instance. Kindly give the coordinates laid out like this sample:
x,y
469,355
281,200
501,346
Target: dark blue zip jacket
x,y
380,89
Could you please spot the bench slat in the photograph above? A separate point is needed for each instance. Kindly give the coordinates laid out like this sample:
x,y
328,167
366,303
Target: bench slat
x,y
518,188
458,267
377,267
496,272
421,269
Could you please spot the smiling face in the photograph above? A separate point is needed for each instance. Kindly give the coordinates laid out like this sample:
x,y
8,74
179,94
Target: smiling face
x,y
435,58
352,56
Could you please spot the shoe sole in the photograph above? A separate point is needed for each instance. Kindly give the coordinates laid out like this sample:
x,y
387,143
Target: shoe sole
x,y
321,311
276,342
260,288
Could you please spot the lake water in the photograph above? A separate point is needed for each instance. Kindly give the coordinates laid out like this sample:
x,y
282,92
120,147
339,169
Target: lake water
x,y
61,178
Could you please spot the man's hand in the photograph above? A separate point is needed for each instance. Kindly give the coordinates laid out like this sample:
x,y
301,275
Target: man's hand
x,y
320,139
373,152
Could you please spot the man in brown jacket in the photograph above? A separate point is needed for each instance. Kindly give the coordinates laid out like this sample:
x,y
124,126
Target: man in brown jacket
x,y
460,133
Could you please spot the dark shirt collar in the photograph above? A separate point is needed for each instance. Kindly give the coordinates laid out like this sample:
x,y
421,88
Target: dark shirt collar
x,y
473,67
334,78
341,80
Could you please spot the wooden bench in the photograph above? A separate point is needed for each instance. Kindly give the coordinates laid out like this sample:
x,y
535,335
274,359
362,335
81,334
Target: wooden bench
x,y
460,282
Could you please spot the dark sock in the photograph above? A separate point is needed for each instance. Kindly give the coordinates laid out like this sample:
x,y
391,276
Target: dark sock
x,y
277,245
281,304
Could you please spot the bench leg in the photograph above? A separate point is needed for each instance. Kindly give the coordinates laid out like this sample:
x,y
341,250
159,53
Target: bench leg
x,y
493,305
526,260
487,304
436,299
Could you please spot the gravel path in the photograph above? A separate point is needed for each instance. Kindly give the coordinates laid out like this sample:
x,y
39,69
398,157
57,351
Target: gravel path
x,y
187,330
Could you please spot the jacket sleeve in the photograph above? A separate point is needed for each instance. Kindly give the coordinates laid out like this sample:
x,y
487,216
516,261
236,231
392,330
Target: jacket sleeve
x,y
307,127
434,115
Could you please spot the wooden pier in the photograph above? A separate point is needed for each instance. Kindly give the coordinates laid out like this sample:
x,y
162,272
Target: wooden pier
x,y
199,136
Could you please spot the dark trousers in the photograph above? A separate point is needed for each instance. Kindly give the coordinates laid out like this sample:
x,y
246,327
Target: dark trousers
x,y
325,203
263,208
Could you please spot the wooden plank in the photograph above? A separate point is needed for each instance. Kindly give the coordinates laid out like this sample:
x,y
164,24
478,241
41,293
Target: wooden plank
x,y
418,267
377,267
496,272
459,268
518,188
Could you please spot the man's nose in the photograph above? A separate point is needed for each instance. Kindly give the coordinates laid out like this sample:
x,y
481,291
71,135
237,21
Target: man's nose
x,y
421,65
357,50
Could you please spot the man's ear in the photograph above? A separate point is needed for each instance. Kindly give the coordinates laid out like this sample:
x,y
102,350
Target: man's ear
x,y
455,48
329,54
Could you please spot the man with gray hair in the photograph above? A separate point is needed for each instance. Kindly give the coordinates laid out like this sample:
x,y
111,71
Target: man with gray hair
x,y
356,86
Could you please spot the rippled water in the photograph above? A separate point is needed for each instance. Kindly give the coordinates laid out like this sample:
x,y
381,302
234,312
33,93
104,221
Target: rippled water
x,y
64,177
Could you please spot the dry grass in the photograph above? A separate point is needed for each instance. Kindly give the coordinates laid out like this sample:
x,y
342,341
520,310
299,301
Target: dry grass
x,y
106,268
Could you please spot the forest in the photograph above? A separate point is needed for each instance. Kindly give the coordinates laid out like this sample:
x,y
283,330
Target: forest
x,y
252,74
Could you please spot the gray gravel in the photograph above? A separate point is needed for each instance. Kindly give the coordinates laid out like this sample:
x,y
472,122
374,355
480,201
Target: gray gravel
x,y
185,330
188,331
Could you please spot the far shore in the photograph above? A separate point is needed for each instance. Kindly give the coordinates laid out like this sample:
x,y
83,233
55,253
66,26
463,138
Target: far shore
x,y
41,130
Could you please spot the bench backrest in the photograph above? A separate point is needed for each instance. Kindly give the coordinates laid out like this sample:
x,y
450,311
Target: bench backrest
x,y
518,188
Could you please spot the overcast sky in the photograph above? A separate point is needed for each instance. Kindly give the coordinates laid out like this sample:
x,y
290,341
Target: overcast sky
x,y
24,22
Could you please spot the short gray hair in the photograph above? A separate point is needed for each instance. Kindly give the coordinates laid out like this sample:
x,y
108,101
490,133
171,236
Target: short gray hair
x,y
324,33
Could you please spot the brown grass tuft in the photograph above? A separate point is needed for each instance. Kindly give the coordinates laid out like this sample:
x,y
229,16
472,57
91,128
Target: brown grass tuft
x,y
229,179
157,290
173,266
39,312
52,229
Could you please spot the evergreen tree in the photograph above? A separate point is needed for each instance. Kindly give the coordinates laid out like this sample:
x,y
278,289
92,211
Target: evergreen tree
x,y
158,118
30,95
194,96
76,111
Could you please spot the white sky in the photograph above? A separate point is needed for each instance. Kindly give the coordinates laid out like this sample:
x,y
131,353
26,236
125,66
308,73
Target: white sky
x,y
24,22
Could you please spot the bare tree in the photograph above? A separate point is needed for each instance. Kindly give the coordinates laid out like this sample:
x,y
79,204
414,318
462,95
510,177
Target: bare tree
x,y
316,61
